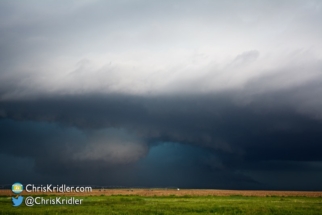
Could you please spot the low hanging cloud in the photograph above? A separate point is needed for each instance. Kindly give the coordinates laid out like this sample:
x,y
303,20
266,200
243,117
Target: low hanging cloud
x,y
67,148
240,132
112,146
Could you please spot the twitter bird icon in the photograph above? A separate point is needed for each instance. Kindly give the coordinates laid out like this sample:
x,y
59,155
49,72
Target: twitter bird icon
x,y
17,201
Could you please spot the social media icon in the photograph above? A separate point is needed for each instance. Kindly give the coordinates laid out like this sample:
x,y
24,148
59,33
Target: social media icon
x,y
17,188
17,201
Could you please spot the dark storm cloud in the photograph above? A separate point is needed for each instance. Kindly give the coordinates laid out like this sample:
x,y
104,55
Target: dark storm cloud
x,y
268,128
42,152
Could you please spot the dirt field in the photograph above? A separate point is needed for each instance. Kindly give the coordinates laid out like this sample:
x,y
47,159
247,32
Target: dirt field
x,y
181,192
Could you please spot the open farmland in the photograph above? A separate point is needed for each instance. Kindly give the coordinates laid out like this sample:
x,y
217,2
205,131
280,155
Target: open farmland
x,y
165,201
181,192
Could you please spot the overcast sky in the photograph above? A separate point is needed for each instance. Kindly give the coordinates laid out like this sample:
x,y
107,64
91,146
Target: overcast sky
x,y
199,94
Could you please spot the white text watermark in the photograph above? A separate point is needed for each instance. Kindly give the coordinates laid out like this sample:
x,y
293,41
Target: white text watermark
x,y
49,188
58,200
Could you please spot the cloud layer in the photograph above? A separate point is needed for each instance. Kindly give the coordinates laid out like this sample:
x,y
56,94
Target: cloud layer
x,y
141,47
173,93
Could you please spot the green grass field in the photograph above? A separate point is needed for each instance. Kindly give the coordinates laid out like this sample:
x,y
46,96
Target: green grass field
x,y
174,205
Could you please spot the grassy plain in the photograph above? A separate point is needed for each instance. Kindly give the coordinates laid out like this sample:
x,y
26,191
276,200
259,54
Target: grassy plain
x,y
176,202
